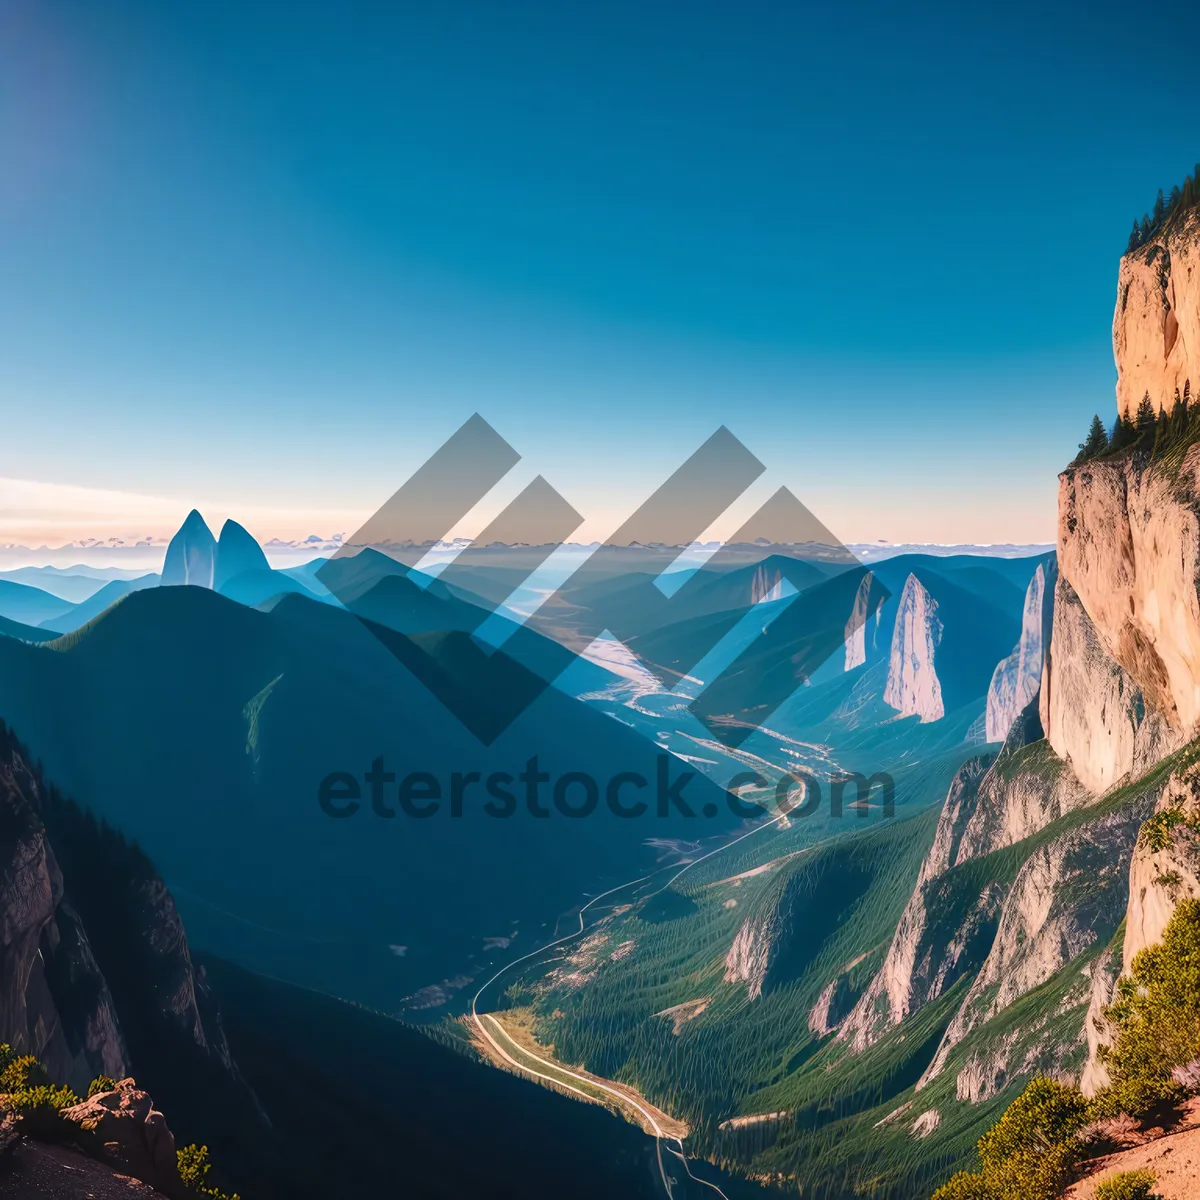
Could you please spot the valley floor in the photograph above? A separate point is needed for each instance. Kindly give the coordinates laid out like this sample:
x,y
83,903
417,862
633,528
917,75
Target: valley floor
x,y
506,1039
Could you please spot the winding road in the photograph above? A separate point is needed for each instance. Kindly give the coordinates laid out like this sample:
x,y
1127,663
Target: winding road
x,y
483,1021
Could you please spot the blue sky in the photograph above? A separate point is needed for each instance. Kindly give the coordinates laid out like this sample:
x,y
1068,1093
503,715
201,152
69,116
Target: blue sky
x,y
265,256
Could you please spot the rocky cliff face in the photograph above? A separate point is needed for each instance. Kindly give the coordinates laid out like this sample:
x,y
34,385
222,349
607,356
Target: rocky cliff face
x,y
1040,856
1095,714
856,624
1165,869
1129,546
939,936
913,688
1166,864
54,1001
1068,896
749,958
79,991
1156,325
1017,678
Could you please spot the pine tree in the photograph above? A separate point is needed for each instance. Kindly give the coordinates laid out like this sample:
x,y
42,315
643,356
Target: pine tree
x,y
1135,238
1162,428
1173,203
1095,443
1160,207
1145,418
1179,415
1123,433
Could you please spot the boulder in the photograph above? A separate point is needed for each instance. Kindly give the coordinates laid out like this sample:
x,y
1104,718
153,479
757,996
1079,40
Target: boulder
x,y
131,1135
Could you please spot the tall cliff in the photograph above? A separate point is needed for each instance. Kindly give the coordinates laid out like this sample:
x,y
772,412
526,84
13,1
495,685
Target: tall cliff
x,y
913,688
1056,862
1156,325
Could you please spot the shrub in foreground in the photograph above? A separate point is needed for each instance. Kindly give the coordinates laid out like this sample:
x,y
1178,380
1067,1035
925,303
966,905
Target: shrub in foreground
x,y
1127,1185
1031,1151
1156,1016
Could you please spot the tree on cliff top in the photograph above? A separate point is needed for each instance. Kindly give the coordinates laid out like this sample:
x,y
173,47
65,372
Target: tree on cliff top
x,y
1183,199
1124,434
1095,443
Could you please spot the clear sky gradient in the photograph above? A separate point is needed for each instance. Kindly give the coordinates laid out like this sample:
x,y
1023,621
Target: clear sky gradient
x,y
265,257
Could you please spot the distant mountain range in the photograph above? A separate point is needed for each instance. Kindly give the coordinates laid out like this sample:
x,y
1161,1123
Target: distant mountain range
x,y
202,711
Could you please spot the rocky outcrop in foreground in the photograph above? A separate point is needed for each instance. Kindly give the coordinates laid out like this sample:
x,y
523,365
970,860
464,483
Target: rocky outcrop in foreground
x,y
133,1135
115,1144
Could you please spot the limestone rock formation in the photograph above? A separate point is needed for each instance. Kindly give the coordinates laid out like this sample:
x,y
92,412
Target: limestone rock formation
x,y
1041,855
1123,681
195,557
913,688
766,584
1160,878
1095,714
1156,324
856,624
1068,895
750,955
191,554
237,552
1017,678
1096,1029
942,934
1129,546
1027,790
948,931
